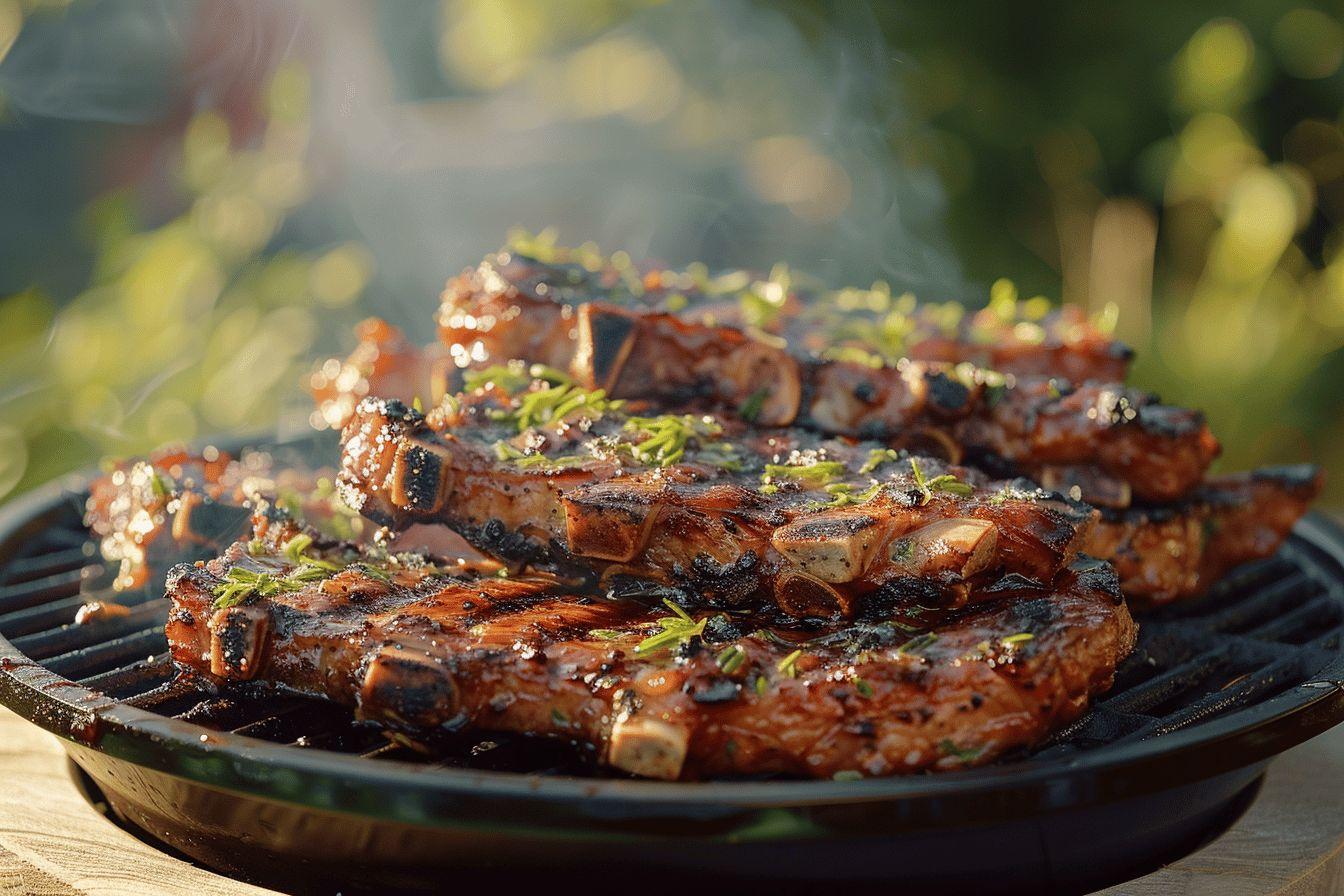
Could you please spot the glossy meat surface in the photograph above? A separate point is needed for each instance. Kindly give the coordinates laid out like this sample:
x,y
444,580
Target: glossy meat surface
x,y
479,314
1037,421
177,505
1168,553
673,693
729,514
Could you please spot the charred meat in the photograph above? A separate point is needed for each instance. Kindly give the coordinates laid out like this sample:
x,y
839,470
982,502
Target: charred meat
x,y
1115,443
1167,553
519,303
663,692
556,475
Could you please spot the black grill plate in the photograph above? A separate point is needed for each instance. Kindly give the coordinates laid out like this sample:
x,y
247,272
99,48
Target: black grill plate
x,y
291,792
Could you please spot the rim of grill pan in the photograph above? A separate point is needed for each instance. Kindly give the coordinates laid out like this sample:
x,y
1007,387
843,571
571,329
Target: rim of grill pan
x,y
1201,750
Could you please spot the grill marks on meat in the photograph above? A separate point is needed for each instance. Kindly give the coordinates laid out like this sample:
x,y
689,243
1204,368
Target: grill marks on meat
x,y
743,514
417,650
1163,554
1035,421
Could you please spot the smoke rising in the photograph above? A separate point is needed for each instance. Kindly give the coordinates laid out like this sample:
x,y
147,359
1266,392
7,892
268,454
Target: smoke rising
x,y
728,132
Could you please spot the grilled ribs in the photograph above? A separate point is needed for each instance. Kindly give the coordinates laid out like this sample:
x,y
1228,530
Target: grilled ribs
x,y
665,693
1168,553
1110,441
178,505
728,513
535,283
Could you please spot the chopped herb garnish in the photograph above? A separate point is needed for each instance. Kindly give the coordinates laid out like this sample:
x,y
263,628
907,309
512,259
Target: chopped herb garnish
x,y
668,436
509,378
559,717
605,634
527,460
1019,638
761,685
417,405
295,551
948,748
944,483
731,658
555,403
864,688
751,408
676,630
843,495
877,457
161,484
240,584
372,572
812,475
848,774
789,665
918,643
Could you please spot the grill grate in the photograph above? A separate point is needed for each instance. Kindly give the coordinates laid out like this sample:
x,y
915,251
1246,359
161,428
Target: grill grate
x,y
1267,628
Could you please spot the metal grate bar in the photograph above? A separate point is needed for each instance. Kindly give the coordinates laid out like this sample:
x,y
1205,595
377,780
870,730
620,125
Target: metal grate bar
x,y
1272,600
1170,684
109,654
133,678
36,592
70,637
1302,624
1273,679
56,613
29,568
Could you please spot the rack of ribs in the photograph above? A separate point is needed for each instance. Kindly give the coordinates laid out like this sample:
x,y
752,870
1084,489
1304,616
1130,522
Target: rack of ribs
x,y
665,692
554,475
1112,442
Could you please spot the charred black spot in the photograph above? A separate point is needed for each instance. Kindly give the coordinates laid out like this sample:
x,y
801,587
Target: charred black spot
x,y
1033,616
725,583
1097,576
1169,422
1012,584
900,592
716,690
1296,476
719,629
422,475
235,633
947,395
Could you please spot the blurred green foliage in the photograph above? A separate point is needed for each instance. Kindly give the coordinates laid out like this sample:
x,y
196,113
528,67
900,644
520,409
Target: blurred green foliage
x,y
1182,162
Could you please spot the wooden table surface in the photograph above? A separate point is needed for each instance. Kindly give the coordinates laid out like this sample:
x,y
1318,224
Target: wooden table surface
x,y
52,843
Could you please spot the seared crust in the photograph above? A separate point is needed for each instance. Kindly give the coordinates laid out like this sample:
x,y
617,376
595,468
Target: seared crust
x,y
613,334
416,650
814,526
1169,553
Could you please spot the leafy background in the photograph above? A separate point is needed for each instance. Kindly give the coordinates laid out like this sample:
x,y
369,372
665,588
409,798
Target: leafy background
x,y
198,199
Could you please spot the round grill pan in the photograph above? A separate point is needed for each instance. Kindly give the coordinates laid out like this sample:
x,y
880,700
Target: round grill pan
x,y
289,792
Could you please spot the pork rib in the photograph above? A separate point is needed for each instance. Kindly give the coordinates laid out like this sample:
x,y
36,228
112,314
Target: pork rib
x,y
1033,424
672,695
728,513
535,284
1169,553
